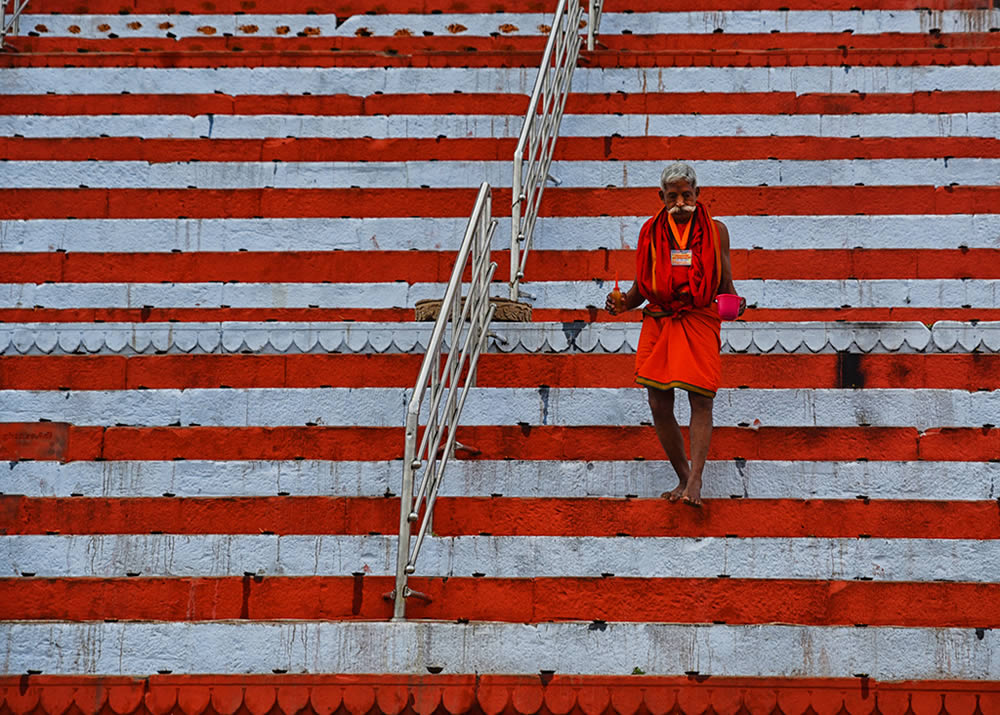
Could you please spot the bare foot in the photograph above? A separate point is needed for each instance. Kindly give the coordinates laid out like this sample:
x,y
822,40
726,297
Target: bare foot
x,y
675,493
691,494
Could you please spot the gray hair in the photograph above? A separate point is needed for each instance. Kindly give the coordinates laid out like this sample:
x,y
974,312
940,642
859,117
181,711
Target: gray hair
x,y
678,171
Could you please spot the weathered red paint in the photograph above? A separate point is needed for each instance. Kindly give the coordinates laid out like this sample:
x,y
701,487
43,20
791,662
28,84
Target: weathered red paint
x,y
506,516
48,441
436,266
370,203
548,694
521,442
633,51
35,440
692,44
951,371
929,102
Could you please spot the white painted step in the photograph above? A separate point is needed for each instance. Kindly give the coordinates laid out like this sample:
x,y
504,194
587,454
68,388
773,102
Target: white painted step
x,y
882,653
408,80
959,481
567,233
215,555
470,174
413,126
772,294
558,407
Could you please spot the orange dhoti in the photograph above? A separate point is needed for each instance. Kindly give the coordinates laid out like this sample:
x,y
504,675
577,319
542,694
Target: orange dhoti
x,y
680,350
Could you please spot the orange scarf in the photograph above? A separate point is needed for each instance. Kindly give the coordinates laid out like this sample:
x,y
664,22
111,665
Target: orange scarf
x,y
653,268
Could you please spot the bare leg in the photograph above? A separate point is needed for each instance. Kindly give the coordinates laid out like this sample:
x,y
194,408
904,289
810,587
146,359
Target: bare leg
x,y
701,437
661,402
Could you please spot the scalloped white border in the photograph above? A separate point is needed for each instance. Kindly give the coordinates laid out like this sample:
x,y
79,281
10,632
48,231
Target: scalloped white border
x,y
292,338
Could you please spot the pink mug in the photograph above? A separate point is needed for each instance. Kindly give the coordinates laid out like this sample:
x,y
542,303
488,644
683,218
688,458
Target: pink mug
x,y
729,306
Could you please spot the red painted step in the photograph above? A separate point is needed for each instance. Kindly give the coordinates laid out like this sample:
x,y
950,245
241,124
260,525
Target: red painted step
x,y
769,103
307,55
527,600
500,516
370,203
960,371
488,149
497,442
436,266
845,43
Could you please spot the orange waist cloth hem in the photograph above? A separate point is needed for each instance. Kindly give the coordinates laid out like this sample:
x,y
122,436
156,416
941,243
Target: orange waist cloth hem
x,y
680,350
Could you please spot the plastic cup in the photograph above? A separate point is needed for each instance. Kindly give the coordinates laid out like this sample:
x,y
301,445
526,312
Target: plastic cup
x,y
729,306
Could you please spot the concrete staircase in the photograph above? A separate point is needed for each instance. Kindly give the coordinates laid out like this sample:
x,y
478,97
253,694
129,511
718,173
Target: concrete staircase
x,y
216,220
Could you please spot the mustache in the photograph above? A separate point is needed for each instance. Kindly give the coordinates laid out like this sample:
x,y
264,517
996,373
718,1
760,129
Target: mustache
x,y
684,207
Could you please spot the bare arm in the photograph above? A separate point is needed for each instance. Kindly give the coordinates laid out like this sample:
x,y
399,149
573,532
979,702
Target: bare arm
x,y
726,284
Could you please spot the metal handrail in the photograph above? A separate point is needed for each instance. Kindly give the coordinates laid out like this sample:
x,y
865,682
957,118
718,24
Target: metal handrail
x,y
539,132
470,321
9,24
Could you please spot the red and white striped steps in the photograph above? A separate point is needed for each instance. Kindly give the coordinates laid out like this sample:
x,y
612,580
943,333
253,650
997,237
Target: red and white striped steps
x,y
402,35
259,202
969,299
768,520
685,591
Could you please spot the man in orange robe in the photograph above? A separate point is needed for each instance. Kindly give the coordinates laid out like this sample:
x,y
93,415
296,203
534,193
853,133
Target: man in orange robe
x,y
682,264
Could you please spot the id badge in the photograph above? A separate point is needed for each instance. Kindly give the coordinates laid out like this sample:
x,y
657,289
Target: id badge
x,y
680,258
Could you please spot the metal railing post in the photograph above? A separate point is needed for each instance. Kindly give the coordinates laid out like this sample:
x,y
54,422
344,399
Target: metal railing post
x,y
470,320
410,465
515,234
593,22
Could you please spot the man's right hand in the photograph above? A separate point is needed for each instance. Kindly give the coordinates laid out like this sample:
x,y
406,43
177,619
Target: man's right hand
x,y
610,305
